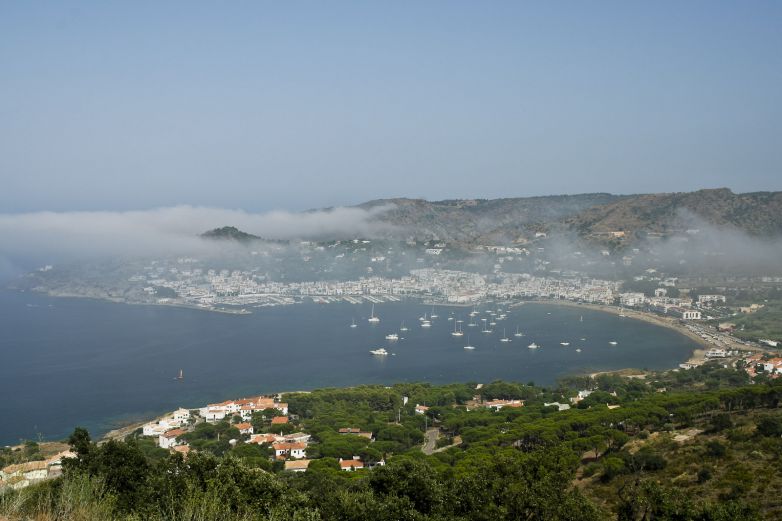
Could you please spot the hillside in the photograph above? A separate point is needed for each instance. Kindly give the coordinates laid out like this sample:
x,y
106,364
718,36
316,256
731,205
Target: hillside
x,y
686,446
496,220
590,216
229,233
757,213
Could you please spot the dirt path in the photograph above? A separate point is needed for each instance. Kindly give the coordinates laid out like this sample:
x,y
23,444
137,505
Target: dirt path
x,y
430,441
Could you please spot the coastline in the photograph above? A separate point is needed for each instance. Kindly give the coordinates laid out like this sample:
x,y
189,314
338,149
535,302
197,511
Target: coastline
x,y
697,357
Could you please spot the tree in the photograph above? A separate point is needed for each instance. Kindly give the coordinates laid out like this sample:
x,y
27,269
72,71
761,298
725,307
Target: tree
x,y
80,441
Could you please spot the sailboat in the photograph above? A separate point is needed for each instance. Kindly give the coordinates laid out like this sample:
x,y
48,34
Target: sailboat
x,y
354,323
581,319
485,327
472,323
425,322
518,333
457,332
372,318
468,346
432,314
180,376
504,337
403,327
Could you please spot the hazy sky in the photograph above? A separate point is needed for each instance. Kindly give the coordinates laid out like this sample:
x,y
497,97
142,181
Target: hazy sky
x,y
292,105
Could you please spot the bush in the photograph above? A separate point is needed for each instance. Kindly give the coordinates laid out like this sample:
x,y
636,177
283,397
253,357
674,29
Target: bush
x,y
612,467
716,449
704,475
770,426
720,422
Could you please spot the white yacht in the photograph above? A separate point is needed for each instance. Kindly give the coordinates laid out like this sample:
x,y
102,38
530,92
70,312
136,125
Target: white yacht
x,y
354,323
372,318
380,352
613,342
426,323
564,344
457,332
578,350
392,336
533,345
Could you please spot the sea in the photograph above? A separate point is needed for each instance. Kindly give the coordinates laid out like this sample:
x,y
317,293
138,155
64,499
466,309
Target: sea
x,y
67,362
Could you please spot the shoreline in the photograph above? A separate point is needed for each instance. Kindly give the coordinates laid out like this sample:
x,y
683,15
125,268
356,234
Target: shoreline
x,y
698,355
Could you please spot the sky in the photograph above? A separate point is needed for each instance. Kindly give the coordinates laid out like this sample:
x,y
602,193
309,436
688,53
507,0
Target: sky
x,y
261,106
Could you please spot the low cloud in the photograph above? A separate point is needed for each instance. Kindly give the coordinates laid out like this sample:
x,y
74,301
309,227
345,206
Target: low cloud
x,y
41,236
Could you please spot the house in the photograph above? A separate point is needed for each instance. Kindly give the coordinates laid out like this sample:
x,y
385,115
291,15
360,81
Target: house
x,y
580,396
357,431
244,428
27,472
168,439
716,353
350,465
264,438
184,450
499,404
706,300
294,450
181,415
214,415
153,429
559,406
297,437
421,409
297,465
279,420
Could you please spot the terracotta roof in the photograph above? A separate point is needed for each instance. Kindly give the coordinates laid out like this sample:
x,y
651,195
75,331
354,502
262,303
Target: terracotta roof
x,y
243,426
173,433
25,467
279,420
289,446
355,463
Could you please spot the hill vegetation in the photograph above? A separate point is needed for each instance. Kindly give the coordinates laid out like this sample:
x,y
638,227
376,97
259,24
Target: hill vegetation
x,y
694,445
230,233
588,216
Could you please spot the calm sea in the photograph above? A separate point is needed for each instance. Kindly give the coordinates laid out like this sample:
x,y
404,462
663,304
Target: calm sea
x,y
66,362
